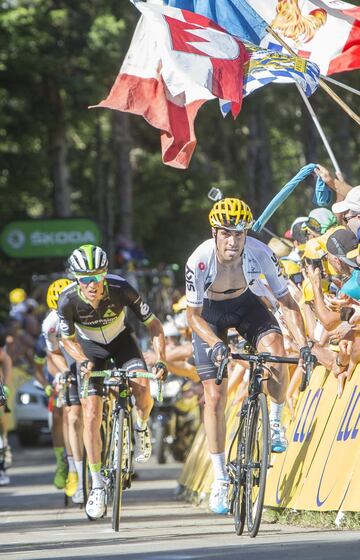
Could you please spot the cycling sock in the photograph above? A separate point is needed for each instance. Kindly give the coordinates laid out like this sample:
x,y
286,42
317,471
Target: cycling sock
x,y
276,412
71,463
79,470
97,481
140,423
218,462
59,455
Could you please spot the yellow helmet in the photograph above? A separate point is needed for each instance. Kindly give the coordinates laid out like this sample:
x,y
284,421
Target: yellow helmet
x,y
179,305
289,267
18,295
54,290
231,213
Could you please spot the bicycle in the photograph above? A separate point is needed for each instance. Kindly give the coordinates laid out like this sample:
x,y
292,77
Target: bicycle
x,y
248,471
118,436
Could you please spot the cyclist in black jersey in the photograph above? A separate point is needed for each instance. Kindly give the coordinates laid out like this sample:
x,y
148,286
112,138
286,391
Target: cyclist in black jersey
x,y
93,328
223,290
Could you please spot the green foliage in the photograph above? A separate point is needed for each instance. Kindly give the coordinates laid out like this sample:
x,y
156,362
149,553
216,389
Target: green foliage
x,y
58,57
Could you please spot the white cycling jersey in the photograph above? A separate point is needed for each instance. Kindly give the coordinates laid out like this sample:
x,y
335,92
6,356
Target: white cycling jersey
x,y
258,259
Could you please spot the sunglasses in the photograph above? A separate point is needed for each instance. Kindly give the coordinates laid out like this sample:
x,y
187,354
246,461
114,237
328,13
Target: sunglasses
x,y
311,224
94,278
348,218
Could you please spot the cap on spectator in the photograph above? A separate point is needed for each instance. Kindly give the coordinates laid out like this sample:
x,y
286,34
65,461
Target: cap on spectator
x,y
280,248
319,220
351,288
342,243
351,202
18,295
289,234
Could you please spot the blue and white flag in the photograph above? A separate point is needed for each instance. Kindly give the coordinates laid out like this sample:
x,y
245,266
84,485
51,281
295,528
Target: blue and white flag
x,y
236,16
265,67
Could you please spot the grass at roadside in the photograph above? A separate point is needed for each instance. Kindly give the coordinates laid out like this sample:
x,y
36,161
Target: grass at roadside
x,y
323,519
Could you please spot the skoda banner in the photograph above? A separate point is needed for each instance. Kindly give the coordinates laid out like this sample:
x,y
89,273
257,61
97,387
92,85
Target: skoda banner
x,y
47,238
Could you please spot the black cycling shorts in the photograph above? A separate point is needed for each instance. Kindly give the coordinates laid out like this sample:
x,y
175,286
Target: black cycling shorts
x,y
246,313
124,352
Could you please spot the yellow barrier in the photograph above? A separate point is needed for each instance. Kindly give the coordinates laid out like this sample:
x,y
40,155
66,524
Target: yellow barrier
x,y
321,467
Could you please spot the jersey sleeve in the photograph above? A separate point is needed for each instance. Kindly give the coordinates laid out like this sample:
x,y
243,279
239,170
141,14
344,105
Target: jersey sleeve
x,y
66,318
138,305
272,272
194,281
50,331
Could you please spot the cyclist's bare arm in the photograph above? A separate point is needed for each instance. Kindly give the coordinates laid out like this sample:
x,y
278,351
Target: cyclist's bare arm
x,y
74,349
58,360
293,318
200,326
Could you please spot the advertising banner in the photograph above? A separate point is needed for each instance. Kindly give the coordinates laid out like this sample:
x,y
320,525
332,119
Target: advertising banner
x,y
286,478
47,238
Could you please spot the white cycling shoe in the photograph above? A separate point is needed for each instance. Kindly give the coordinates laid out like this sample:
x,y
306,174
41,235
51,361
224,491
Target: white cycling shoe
x,y
142,445
219,497
78,497
4,478
95,505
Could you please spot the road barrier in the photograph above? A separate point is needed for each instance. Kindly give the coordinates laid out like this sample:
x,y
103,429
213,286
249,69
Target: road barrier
x,y
320,471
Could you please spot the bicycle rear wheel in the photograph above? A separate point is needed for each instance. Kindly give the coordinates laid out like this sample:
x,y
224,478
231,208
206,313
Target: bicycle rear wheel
x,y
122,465
239,504
257,453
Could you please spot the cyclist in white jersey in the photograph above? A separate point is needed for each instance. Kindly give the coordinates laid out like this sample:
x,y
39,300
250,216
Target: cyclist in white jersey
x,y
223,290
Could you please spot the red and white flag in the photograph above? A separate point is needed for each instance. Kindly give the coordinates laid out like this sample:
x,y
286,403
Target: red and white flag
x,y
176,62
324,31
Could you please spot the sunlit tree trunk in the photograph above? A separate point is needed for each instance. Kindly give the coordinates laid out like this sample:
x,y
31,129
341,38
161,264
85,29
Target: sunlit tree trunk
x,y
60,171
123,175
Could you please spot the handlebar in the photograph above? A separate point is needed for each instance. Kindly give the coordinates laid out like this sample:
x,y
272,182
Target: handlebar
x,y
261,358
265,357
123,374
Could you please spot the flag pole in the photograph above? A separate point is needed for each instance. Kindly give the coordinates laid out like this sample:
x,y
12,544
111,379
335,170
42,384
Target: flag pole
x,y
319,128
323,85
340,84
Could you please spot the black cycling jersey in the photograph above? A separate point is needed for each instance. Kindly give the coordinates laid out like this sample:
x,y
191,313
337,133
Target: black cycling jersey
x,y
108,320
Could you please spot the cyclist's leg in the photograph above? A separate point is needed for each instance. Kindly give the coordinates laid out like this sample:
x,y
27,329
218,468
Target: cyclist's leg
x,y
264,334
127,354
92,415
4,478
75,435
214,423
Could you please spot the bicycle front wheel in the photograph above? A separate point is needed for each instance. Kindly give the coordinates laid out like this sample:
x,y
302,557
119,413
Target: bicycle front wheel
x,y
239,505
122,465
257,453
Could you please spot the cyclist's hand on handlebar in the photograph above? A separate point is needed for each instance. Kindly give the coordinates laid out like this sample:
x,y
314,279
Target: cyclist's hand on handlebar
x,y
160,370
219,352
86,368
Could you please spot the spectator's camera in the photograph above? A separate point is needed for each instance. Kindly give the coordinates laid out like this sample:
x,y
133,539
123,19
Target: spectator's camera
x,y
297,278
316,263
215,194
346,313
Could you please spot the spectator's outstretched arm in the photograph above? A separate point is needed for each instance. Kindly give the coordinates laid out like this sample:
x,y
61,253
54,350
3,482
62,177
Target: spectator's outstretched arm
x,y
330,319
